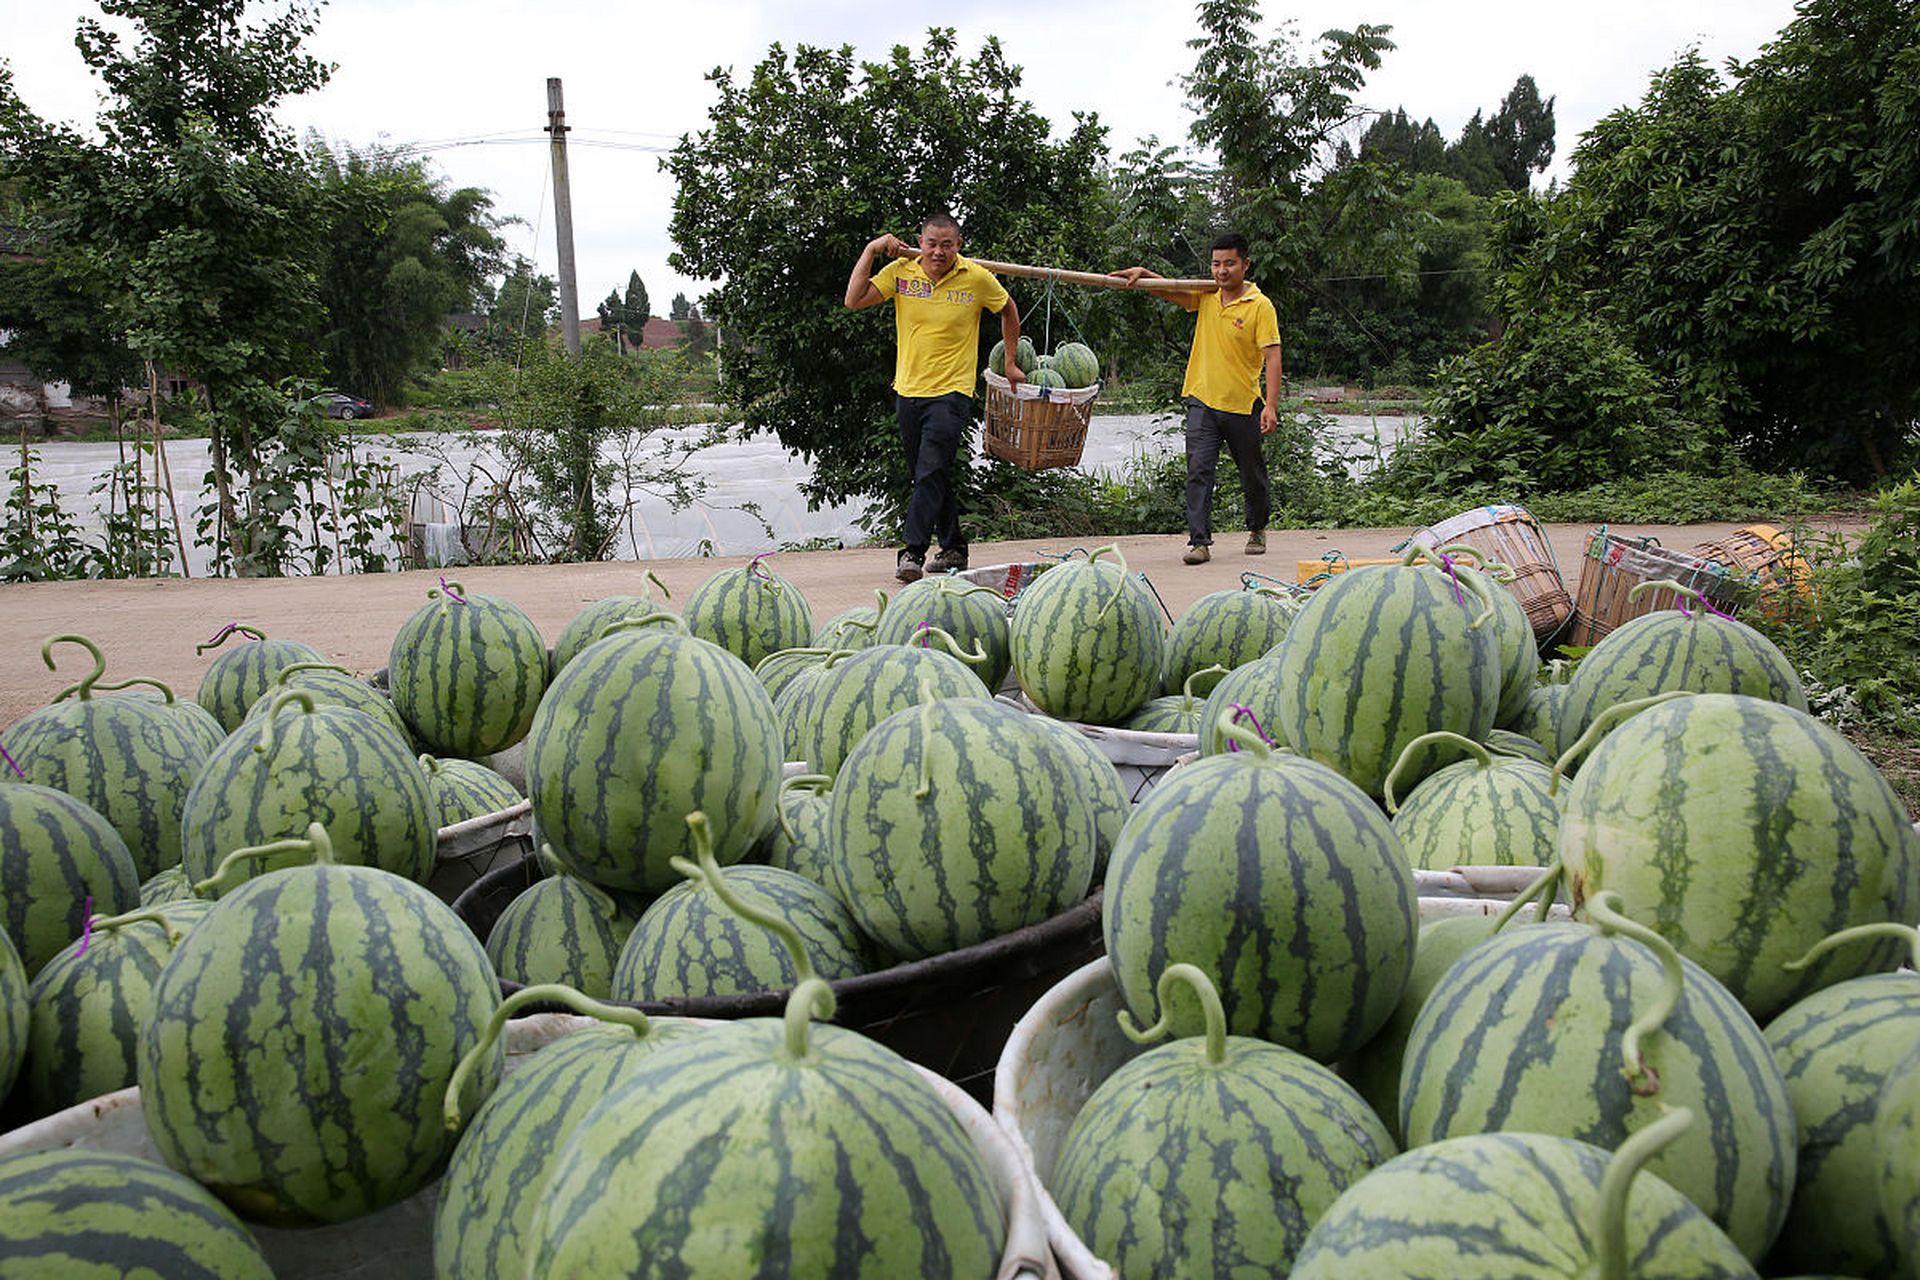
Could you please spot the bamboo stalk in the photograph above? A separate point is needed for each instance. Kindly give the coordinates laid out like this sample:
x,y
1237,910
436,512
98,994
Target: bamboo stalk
x,y
1089,278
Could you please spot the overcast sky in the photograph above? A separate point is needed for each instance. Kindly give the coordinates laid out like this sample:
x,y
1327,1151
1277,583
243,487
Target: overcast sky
x,y
427,70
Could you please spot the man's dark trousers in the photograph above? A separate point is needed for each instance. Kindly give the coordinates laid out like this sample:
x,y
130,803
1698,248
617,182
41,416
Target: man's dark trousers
x,y
931,429
1207,430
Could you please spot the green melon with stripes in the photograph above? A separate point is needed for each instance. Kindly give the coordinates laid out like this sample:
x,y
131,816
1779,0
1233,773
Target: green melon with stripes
x,y
59,862
955,822
778,671
1541,717
818,1151
1519,653
1282,877
1182,712
1254,686
71,1212
802,837
466,671
1077,364
688,944
89,1007
1507,742
15,1010
561,929
301,764
1527,1033
236,678
591,623
1693,649
303,1038
129,759
750,612
1088,641
975,616
640,730
1485,811
1212,1156
198,721
486,1200
1896,1148
836,708
170,885
1227,629
331,686
1105,791
1383,655
1837,1049
1520,1206
1744,831
851,628
462,790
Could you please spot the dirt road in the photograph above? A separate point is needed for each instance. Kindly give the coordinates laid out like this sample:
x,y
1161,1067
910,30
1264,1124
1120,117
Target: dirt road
x,y
149,627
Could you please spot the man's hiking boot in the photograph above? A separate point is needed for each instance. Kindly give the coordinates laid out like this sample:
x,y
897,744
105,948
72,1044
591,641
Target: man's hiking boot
x,y
1257,542
910,567
948,560
1197,554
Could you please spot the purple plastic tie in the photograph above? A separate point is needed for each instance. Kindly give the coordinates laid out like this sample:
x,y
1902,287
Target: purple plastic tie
x,y
86,927
1238,712
450,592
755,568
12,763
224,632
1459,596
920,632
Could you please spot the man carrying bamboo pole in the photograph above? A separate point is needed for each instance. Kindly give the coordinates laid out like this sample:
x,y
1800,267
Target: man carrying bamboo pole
x,y
937,302
1236,336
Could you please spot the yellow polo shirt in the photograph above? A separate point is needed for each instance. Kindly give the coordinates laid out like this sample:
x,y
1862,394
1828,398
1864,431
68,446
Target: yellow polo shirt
x,y
1229,348
936,328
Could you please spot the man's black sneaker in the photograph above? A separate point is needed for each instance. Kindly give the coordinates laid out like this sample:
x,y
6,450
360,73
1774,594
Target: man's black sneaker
x,y
948,560
910,567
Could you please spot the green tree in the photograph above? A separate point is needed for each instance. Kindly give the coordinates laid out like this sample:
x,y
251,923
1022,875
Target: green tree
x,y
808,158
679,309
523,306
1394,139
1520,135
635,304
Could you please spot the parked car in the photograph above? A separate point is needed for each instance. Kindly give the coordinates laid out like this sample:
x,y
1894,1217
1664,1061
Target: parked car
x,y
341,405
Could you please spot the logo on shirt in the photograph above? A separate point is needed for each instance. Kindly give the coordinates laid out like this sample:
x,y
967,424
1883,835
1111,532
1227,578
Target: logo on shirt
x,y
1239,323
913,288
963,297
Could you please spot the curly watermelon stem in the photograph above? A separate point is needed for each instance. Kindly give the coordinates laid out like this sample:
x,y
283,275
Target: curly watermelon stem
x,y
145,915
653,578
811,999
1681,594
1120,584
12,763
85,687
1187,696
703,869
1547,883
1603,724
814,782
761,573
294,668
1604,911
543,993
1610,1205
454,591
1480,560
661,618
270,732
166,690
926,630
316,844
1880,931
1239,738
1203,989
1481,756
220,636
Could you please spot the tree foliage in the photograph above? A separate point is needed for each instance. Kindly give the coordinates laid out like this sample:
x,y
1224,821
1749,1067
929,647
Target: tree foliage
x,y
808,158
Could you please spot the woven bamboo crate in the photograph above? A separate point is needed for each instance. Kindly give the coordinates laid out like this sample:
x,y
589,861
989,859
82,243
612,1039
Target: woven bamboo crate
x,y
1511,536
1614,566
1037,428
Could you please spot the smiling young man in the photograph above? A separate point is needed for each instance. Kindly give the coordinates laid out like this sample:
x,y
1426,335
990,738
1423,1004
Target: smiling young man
x,y
937,301
1232,386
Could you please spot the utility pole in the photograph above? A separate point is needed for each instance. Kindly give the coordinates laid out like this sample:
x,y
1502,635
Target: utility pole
x,y
563,218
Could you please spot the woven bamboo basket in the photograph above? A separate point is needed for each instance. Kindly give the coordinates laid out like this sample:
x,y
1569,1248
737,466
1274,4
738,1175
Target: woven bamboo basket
x,y
1037,428
1767,556
1612,567
1511,536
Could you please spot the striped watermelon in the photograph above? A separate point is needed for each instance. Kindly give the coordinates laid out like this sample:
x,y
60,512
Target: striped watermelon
x,y
1380,656
1374,1068
487,1197
1227,629
1745,832
199,722
592,622
1519,654
331,686
1179,712
1077,364
802,836
56,857
235,680
15,1010
1520,1017
70,1212
811,1151
643,728
689,944
975,616
170,885
852,628
955,822
1484,811
466,672
750,612
834,710
301,764
1278,874
1836,1050
1694,649
1104,788
1507,742
778,671
129,759
1540,719
1213,1155
303,1037
1896,1149
1254,687
1521,1206
1088,643
461,790
89,1006
561,929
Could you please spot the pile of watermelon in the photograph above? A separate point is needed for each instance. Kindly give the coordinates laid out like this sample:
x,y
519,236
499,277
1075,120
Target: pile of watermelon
x,y
1069,365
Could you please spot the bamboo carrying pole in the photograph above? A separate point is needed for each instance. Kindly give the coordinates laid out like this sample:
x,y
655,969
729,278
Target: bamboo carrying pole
x,y
1092,278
